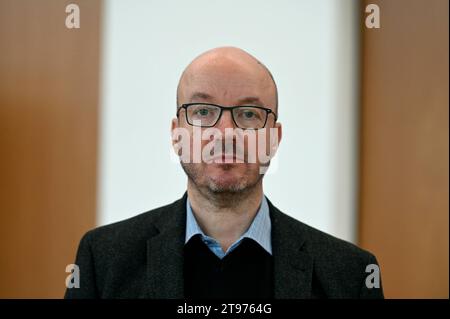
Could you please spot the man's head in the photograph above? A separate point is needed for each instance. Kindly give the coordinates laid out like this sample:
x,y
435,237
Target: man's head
x,y
227,77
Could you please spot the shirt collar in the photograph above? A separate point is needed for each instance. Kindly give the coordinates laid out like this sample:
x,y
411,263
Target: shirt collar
x,y
259,230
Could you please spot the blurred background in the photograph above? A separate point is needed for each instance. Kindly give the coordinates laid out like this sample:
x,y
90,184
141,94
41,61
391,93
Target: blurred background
x,y
85,117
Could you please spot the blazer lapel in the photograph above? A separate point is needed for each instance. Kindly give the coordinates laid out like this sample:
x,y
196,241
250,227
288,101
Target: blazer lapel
x,y
165,253
293,265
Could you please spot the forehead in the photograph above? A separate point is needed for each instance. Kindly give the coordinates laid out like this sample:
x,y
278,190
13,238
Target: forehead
x,y
226,83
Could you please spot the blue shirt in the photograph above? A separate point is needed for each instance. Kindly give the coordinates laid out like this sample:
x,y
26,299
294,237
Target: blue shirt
x,y
259,231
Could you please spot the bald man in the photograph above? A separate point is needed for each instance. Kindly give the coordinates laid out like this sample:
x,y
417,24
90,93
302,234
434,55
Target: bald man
x,y
223,238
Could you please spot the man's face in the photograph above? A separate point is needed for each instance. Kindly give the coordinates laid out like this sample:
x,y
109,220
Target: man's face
x,y
226,82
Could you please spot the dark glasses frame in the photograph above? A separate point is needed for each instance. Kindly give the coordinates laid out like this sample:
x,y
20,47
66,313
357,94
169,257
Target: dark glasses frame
x,y
230,108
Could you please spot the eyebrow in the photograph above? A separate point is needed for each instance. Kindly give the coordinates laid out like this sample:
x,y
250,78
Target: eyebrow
x,y
200,95
251,100
246,100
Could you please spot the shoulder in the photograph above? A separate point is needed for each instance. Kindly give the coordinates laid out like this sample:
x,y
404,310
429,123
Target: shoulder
x,y
323,245
332,256
112,258
127,233
340,268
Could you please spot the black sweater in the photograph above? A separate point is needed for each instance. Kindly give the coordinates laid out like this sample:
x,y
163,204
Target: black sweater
x,y
246,272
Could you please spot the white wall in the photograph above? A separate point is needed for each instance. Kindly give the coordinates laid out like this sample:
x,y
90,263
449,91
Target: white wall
x,y
310,47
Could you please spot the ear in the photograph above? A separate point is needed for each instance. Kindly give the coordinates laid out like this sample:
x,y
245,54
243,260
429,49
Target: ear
x,y
173,127
180,137
279,127
274,146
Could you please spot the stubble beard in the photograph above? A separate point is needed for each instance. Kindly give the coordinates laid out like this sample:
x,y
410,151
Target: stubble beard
x,y
243,185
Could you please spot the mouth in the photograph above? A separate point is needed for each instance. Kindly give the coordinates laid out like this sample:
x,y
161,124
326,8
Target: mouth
x,y
225,159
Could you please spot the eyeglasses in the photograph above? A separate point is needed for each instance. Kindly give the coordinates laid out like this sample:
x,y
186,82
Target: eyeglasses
x,y
207,115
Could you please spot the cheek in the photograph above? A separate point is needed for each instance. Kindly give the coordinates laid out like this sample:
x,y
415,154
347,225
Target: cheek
x,y
263,142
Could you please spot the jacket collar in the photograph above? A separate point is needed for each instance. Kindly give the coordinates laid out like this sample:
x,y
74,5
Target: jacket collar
x,y
293,265
165,253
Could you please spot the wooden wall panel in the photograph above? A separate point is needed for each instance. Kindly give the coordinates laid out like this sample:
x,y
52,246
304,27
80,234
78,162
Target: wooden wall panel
x,y
404,206
48,139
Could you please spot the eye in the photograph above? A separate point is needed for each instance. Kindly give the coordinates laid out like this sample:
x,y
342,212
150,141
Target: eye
x,y
202,112
249,114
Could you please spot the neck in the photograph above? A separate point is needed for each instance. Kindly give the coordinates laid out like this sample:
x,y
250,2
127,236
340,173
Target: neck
x,y
224,216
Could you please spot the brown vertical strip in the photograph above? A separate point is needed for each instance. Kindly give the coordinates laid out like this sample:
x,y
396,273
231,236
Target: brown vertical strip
x,y
49,83
404,205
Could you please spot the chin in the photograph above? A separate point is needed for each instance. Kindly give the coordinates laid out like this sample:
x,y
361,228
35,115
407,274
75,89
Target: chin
x,y
223,178
230,183
226,187
226,181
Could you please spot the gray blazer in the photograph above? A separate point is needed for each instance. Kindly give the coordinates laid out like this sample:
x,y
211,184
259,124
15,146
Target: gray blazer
x,y
142,257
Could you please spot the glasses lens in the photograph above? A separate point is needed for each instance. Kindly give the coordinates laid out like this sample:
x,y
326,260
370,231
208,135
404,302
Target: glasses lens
x,y
250,117
202,115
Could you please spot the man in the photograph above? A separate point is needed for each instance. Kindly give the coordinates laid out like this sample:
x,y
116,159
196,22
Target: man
x,y
223,238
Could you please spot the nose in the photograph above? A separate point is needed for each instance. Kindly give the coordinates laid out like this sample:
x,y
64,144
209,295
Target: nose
x,y
225,121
